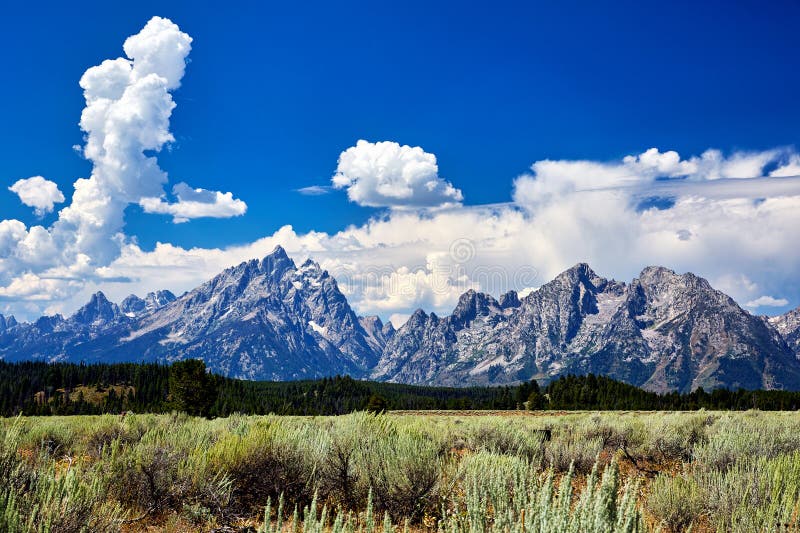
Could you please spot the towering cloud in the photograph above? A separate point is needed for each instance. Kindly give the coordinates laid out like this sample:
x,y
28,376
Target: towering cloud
x,y
126,118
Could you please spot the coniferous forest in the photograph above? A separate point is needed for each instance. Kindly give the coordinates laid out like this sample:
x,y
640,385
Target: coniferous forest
x,y
39,388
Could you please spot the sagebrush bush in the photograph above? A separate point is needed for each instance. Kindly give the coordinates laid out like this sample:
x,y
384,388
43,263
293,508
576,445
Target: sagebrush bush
x,y
676,502
675,436
400,466
753,494
737,436
272,458
46,500
561,454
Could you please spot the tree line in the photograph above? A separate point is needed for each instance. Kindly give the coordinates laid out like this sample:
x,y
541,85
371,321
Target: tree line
x,y
40,388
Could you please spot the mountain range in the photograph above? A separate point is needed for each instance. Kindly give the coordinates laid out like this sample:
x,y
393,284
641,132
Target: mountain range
x,y
273,320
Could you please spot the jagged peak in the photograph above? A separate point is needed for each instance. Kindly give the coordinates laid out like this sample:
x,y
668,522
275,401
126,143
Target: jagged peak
x,y
160,297
509,300
659,274
278,252
99,297
373,320
98,307
471,305
310,264
417,316
48,322
277,262
788,322
132,304
656,270
578,271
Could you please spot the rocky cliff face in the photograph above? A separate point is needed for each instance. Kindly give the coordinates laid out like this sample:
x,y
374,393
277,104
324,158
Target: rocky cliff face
x,y
133,306
663,331
271,319
788,326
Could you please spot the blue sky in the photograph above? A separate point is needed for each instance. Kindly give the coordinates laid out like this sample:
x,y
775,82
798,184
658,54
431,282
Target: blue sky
x,y
274,93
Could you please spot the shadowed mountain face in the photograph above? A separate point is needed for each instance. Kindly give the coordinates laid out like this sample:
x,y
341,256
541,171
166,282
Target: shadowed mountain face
x,y
270,319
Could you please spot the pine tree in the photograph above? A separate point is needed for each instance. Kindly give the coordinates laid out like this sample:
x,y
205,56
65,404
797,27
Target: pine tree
x,y
191,389
376,404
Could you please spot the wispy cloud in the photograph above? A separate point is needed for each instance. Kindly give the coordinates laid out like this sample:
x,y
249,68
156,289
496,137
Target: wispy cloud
x,y
195,203
315,190
767,301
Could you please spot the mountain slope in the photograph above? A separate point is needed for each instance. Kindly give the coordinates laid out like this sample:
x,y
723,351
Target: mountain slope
x,y
663,331
271,319
262,319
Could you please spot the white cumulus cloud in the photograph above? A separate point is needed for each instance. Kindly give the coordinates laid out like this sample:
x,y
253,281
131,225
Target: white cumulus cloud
x,y
195,203
386,174
39,193
767,301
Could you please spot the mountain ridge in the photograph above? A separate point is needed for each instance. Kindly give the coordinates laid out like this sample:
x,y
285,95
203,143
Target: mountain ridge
x,y
271,319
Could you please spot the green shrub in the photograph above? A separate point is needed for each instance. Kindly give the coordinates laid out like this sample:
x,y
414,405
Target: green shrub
x,y
563,454
401,467
676,502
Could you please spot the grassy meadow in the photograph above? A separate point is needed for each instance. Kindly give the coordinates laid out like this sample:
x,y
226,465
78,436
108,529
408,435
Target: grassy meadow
x,y
591,472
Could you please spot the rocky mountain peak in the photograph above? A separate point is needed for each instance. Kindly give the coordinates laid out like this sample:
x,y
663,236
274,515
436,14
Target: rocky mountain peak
x,y
788,325
577,278
98,311
472,305
417,319
133,306
660,293
48,323
509,300
7,322
309,265
157,299
276,263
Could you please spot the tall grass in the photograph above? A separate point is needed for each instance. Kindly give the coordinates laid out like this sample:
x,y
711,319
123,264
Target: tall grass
x,y
366,472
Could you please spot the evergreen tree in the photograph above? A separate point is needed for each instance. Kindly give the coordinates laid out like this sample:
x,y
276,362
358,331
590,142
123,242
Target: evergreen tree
x,y
376,404
191,389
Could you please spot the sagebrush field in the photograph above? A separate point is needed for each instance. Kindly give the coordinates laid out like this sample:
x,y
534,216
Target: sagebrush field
x,y
591,472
